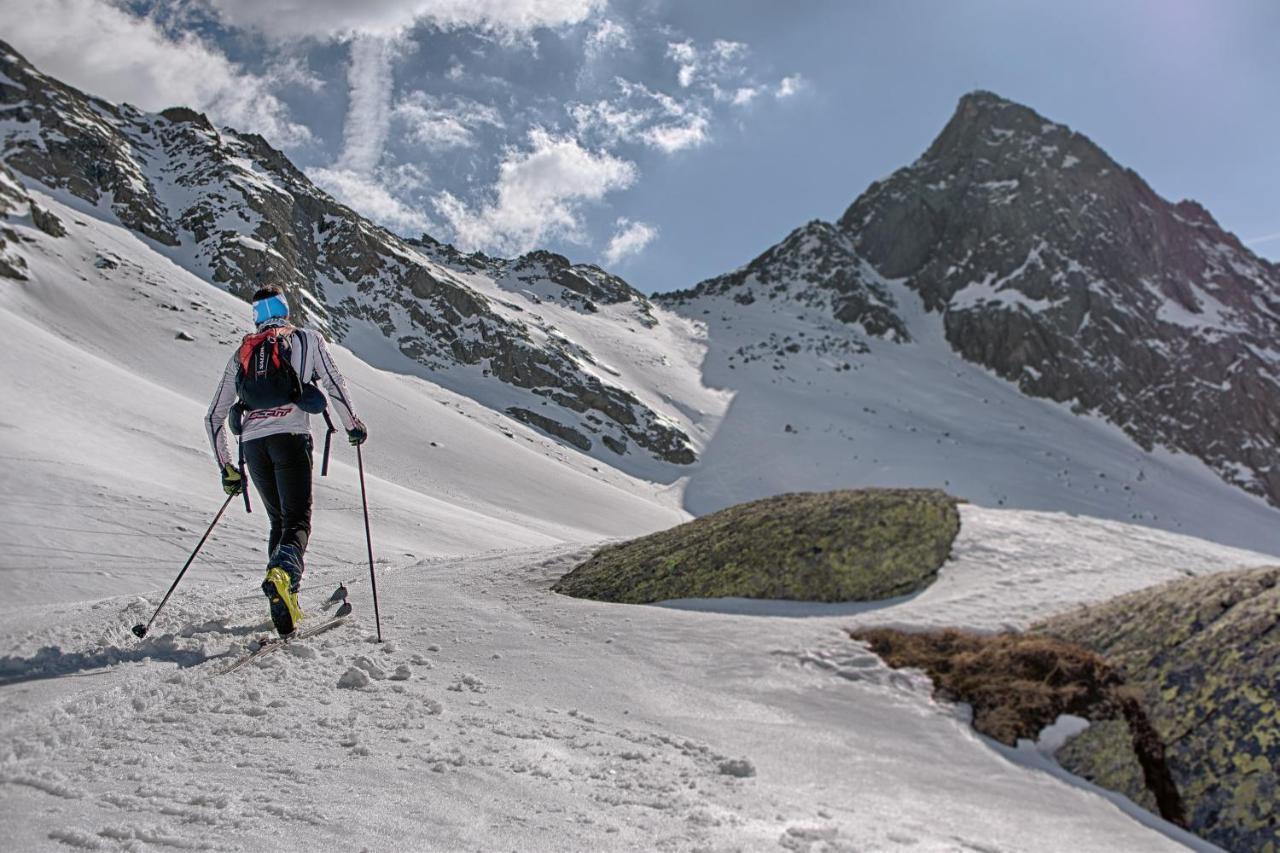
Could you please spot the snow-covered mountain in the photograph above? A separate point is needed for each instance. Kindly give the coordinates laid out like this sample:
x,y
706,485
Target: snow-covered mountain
x,y
838,358
1056,268
231,209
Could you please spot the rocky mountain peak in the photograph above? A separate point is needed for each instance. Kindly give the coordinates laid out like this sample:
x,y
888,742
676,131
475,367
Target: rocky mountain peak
x,y
185,115
1067,273
984,121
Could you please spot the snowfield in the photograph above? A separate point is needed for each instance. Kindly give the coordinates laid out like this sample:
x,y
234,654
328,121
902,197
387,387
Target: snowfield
x,y
527,720
498,715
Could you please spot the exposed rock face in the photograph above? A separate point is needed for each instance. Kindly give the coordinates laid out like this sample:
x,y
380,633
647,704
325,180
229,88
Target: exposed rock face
x,y
1060,270
14,201
1205,653
236,211
863,545
1065,272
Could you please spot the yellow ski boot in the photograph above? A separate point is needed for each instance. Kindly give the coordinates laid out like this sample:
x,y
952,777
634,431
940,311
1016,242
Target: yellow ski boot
x,y
285,612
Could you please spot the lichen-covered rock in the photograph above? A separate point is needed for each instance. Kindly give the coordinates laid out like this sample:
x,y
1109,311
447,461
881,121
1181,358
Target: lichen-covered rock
x,y
1205,653
862,545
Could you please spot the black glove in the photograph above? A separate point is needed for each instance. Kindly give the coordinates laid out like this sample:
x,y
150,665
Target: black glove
x,y
357,434
232,482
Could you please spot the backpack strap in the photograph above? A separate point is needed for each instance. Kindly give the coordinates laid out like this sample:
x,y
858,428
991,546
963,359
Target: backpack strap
x,y
251,342
328,440
244,480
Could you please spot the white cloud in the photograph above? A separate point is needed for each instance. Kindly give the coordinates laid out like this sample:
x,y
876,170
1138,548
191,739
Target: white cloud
x,y
369,196
628,239
97,46
687,133
328,19
643,115
727,51
710,67
538,195
442,123
790,86
294,71
406,177
744,95
608,37
364,134
686,57
612,122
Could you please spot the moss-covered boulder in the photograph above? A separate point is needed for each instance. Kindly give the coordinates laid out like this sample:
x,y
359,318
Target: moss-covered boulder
x,y
861,545
1205,653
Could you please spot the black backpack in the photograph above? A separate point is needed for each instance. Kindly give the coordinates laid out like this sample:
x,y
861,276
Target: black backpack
x,y
266,377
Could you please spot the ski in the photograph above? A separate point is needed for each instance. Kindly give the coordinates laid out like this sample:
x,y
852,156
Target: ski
x,y
271,645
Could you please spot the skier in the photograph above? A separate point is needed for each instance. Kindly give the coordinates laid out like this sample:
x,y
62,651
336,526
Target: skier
x,y
268,391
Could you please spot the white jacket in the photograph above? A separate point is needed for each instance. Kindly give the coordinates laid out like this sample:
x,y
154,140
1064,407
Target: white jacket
x,y
310,358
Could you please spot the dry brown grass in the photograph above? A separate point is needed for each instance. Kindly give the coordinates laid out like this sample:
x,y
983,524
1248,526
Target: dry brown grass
x,y
1018,684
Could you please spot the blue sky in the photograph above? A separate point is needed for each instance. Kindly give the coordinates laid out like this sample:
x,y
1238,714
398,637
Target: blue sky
x,y
672,141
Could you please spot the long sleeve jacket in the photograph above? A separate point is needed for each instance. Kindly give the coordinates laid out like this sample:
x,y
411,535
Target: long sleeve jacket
x,y
311,359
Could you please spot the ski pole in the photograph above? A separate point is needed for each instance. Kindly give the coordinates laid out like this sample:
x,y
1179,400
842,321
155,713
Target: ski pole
x,y
368,538
141,630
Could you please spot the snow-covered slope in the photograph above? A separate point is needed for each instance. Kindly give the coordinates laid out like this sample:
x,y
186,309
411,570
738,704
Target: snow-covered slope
x,y
229,208
534,721
882,399
103,444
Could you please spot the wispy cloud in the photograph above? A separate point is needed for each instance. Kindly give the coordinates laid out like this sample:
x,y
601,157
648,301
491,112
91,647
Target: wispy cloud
x,y
367,194
364,134
608,37
1265,238
629,238
330,19
440,123
641,115
101,47
539,195
789,86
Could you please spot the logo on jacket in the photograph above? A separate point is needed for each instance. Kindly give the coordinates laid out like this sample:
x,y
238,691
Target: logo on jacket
x,y
263,414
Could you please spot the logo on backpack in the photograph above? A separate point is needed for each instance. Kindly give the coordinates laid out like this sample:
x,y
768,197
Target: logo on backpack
x,y
266,378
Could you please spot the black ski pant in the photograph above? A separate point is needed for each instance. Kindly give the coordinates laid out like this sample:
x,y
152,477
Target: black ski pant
x,y
280,466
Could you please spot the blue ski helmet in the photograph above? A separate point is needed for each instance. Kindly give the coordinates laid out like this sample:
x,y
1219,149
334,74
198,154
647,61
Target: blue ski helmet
x,y
269,305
